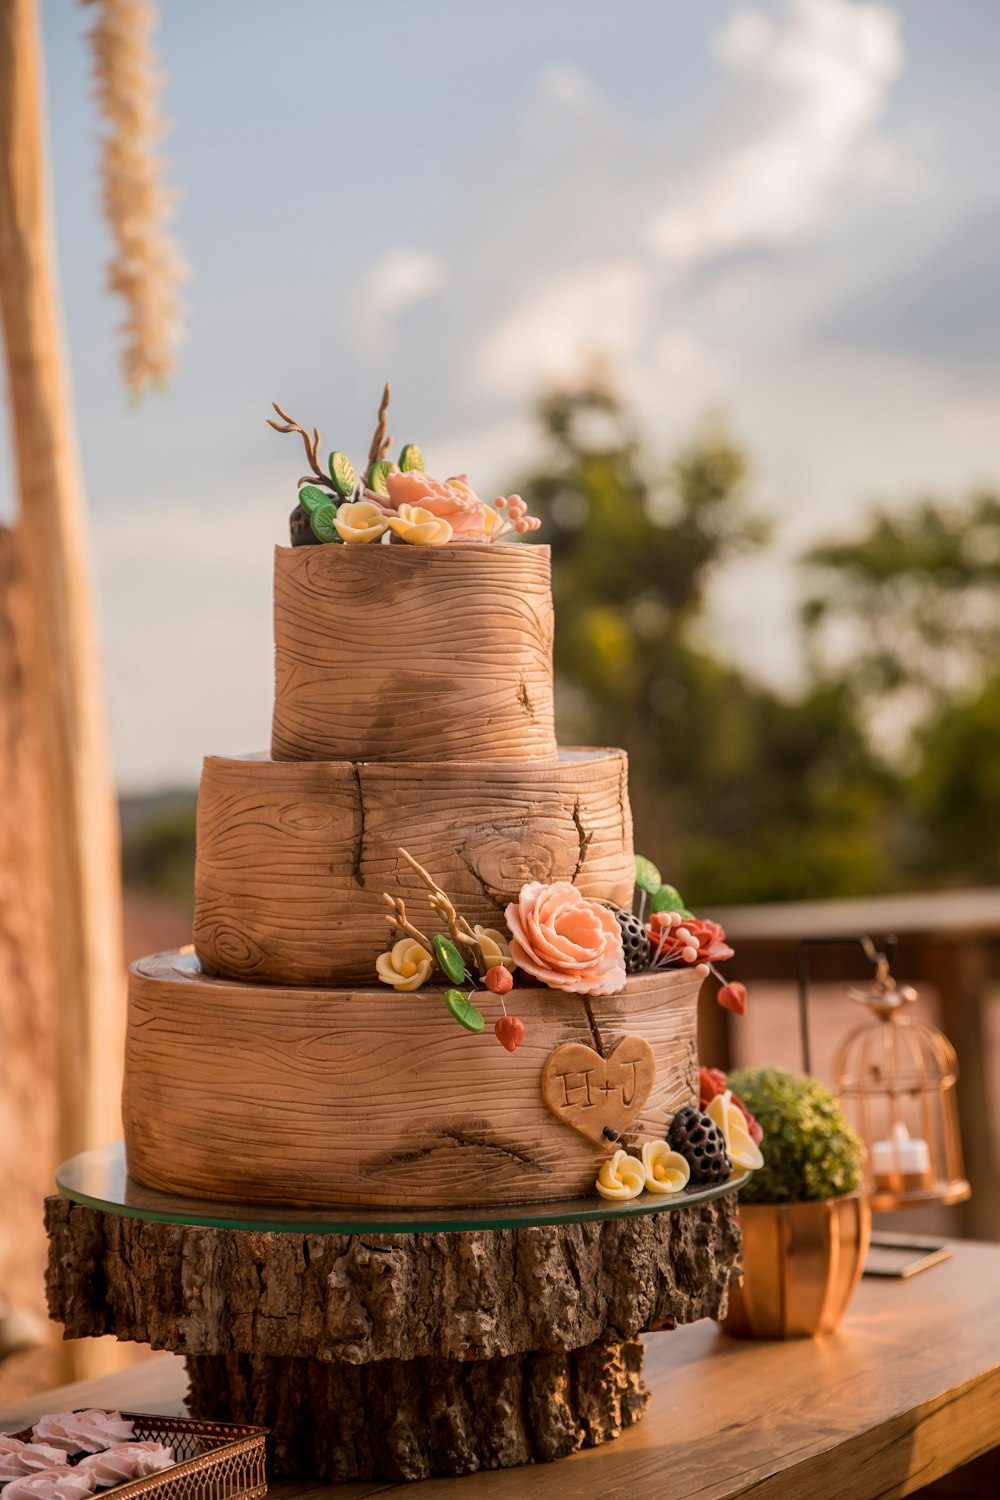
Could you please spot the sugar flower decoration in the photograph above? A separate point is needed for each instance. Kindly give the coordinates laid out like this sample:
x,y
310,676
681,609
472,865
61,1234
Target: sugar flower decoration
x,y
360,521
449,500
83,1431
61,1483
17,1458
127,1461
622,1176
420,526
566,940
666,1171
689,940
741,1148
406,966
495,946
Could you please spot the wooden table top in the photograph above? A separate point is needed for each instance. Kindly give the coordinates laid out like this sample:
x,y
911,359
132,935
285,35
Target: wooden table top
x,y
907,1391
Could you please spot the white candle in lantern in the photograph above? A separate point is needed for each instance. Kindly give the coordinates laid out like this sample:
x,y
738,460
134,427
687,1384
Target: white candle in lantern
x,y
902,1153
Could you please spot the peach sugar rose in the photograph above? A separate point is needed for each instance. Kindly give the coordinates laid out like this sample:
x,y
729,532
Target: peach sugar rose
x,y
449,500
566,940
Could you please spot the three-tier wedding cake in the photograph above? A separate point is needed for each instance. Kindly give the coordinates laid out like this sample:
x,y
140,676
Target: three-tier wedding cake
x,y
416,978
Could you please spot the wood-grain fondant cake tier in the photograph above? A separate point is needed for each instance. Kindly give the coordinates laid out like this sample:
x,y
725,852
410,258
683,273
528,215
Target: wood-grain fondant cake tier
x,y
319,1097
293,856
413,653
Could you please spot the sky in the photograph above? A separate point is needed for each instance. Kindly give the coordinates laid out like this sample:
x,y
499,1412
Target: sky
x,y
784,211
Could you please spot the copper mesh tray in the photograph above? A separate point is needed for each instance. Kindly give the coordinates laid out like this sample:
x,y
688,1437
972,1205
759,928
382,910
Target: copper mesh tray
x,y
220,1460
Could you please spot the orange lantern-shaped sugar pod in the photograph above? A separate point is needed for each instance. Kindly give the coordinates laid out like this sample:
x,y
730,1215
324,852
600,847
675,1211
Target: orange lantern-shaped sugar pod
x,y
896,1078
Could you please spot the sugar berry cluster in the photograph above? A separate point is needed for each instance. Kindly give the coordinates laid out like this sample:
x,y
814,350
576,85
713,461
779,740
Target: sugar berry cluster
x,y
660,932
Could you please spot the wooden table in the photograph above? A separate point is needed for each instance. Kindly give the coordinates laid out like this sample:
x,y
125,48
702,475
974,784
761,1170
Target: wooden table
x,y
906,1392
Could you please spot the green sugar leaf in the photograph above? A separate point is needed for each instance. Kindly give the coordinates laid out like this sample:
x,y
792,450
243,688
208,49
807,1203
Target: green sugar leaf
x,y
463,1010
647,876
448,956
321,520
412,457
375,479
311,497
342,473
668,898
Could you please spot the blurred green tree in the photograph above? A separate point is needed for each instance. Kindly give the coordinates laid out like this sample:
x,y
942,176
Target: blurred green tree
x,y
906,616
741,795
158,845
904,620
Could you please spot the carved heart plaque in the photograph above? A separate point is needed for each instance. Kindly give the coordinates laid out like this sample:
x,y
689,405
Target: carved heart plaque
x,y
591,1092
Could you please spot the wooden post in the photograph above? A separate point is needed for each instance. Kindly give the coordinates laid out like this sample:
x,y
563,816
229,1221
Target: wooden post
x,y
28,1105
82,847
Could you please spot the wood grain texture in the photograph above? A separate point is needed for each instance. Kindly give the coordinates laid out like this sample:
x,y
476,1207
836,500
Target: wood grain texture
x,y
368,1097
413,653
368,1298
293,857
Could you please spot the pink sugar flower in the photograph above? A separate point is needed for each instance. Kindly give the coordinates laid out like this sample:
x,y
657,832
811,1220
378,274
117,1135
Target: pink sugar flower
x,y
450,500
566,940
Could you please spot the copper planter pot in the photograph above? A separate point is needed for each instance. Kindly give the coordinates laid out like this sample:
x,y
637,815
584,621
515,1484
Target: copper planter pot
x,y
801,1263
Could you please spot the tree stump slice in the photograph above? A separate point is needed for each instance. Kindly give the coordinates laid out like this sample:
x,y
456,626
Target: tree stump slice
x,y
409,1419
398,1356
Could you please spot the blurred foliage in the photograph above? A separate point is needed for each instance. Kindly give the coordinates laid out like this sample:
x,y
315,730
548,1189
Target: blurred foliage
x,y
904,622
907,615
740,794
158,845
810,1150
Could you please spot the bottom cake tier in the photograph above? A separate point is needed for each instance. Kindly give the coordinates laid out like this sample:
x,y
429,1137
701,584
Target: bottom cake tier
x,y
334,1098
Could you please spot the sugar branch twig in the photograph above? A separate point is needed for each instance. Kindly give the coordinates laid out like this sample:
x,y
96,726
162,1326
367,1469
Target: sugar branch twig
x,y
400,922
311,446
381,442
462,934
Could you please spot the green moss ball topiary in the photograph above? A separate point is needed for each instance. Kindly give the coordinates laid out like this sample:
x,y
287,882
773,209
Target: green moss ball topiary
x,y
810,1150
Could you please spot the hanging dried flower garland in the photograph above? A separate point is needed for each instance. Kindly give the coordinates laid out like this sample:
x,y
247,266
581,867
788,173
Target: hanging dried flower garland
x,y
146,266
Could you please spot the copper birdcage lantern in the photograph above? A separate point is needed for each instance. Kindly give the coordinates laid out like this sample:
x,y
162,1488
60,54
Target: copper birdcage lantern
x,y
896,1078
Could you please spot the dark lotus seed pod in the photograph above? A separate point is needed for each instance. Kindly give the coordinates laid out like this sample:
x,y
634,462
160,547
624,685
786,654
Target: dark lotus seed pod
x,y
634,940
300,529
699,1140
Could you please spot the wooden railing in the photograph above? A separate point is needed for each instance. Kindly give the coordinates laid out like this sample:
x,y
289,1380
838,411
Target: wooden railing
x,y
948,941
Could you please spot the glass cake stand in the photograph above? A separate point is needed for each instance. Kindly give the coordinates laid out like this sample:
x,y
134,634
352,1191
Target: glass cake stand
x,y
99,1179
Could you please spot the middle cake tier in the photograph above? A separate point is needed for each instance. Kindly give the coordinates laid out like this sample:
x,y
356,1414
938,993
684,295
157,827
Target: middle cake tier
x,y
294,856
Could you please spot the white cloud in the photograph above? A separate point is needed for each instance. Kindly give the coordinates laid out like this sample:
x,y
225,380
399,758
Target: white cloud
x,y
566,83
819,83
797,123
400,280
598,308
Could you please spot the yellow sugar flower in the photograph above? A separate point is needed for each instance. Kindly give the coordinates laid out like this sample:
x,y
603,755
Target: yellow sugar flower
x,y
741,1148
360,521
406,967
421,527
666,1171
495,946
622,1176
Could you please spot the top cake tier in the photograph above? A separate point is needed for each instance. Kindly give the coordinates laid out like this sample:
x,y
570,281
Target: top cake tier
x,y
413,654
